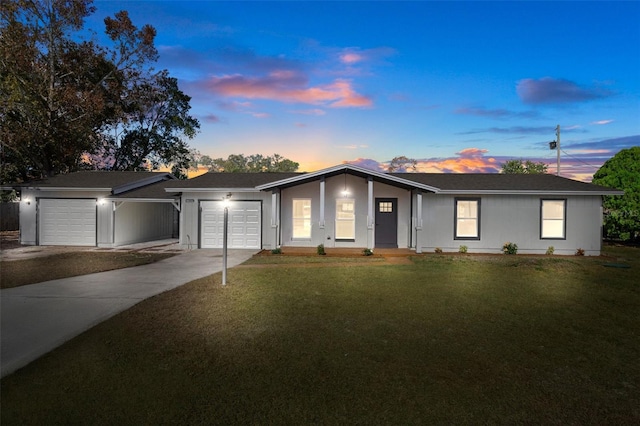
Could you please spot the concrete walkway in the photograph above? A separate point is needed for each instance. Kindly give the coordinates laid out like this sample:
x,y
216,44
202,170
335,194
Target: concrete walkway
x,y
37,318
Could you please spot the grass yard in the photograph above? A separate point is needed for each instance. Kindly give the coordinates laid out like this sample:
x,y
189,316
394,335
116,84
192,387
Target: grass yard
x,y
16,273
449,339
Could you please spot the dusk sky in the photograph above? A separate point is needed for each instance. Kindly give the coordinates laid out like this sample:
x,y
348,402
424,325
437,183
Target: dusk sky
x,y
459,86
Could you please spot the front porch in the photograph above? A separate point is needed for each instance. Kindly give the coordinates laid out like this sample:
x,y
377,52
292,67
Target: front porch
x,y
344,252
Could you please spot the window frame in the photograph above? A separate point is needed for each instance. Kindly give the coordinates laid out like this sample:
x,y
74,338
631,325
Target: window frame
x,y
456,218
564,218
352,220
304,219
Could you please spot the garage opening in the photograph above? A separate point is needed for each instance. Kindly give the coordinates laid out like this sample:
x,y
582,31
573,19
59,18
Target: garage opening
x,y
67,222
244,224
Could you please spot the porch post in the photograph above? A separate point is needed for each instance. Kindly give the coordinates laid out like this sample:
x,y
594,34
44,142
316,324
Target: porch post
x,y
275,216
418,221
370,215
322,193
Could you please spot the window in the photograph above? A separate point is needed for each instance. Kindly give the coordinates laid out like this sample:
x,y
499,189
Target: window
x,y
345,220
467,219
552,219
301,218
385,207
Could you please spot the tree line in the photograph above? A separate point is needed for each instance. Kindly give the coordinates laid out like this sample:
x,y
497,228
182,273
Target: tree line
x,y
69,103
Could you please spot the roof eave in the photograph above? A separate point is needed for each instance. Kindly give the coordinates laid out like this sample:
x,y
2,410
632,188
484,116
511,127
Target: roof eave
x,y
149,180
63,188
142,199
313,175
527,192
251,189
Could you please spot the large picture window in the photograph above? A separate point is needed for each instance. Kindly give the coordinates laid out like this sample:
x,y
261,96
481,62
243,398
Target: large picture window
x,y
553,219
467,219
345,219
301,218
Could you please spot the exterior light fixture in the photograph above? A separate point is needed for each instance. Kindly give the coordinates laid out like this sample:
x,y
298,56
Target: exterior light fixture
x,y
345,191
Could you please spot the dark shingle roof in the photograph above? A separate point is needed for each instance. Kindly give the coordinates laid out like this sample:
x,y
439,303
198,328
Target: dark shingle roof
x,y
231,180
111,180
153,191
153,184
490,182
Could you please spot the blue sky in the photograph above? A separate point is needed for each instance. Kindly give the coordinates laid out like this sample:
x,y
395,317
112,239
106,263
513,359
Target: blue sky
x,y
459,86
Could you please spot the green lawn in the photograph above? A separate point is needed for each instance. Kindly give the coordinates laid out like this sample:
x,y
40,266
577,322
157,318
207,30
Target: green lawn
x,y
450,339
17,273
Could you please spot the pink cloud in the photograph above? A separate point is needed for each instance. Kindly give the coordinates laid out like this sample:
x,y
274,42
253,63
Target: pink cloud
x,y
288,86
472,152
315,111
350,58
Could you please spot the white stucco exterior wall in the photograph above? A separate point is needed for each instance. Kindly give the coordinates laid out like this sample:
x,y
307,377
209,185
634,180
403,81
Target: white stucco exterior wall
x,y
513,218
137,222
190,215
334,187
131,222
29,213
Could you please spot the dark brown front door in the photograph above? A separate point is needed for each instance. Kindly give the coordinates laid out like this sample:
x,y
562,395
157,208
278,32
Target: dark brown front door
x,y
387,222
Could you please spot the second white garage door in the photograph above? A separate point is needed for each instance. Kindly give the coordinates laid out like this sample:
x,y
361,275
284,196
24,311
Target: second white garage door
x,y
244,224
67,222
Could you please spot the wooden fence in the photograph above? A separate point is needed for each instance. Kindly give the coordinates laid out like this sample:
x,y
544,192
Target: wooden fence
x,y
9,216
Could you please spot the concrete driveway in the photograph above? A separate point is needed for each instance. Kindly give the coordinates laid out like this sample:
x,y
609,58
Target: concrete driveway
x,y
37,318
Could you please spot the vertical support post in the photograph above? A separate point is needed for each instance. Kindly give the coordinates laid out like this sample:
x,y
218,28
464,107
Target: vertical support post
x,y
224,244
418,221
275,219
274,209
370,214
321,222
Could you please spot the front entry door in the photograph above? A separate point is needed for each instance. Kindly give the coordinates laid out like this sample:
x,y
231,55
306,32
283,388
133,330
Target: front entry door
x,y
387,222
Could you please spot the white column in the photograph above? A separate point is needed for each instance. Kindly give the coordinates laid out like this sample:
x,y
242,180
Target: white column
x,y
275,217
370,215
322,194
418,221
274,209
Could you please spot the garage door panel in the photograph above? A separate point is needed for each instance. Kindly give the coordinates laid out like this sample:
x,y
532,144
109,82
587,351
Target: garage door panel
x,y
243,228
67,222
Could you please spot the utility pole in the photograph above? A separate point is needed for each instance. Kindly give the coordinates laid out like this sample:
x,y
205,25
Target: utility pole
x,y
556,145
558,148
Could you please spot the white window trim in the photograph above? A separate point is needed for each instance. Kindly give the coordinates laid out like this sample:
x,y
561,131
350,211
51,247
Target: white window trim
x,y
456,218
304,219
563,220
352,220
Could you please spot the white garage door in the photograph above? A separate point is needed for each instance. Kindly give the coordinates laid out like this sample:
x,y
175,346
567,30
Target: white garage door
x,y
244,224
67,222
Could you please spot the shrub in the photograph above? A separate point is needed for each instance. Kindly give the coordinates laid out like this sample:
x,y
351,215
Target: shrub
x,y
320,249
463,249
276,251
367,252
510,248
550,251
438,250
580,252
